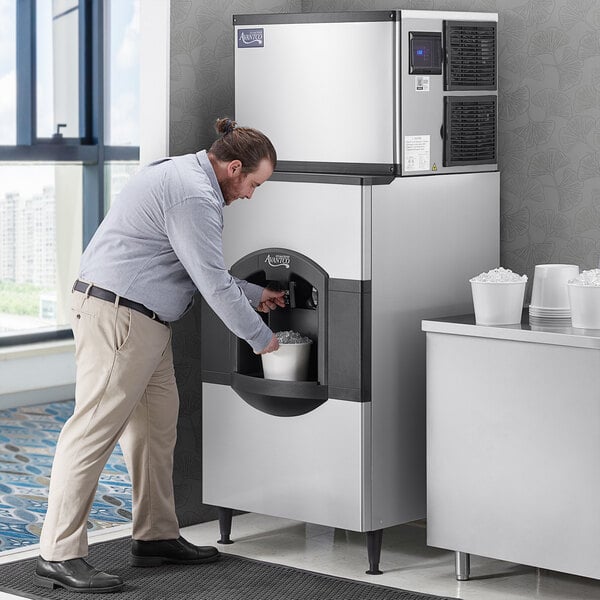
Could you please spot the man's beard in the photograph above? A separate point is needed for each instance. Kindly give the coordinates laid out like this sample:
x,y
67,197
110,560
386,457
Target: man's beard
x,y
229,191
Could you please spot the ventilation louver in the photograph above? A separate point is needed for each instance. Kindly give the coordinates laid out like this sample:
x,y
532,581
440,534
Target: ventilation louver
x,y
470,55
470,130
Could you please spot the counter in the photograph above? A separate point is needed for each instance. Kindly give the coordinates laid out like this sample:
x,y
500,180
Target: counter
x,y
513,443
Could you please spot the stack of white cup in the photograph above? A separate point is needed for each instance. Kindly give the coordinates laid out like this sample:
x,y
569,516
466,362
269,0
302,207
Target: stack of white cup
x,y
550,295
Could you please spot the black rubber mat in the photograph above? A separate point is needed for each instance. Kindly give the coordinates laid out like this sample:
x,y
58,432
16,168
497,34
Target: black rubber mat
x,y
230,578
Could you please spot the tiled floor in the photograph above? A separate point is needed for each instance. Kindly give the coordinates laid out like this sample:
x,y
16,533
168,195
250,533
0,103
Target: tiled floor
x,y
406,560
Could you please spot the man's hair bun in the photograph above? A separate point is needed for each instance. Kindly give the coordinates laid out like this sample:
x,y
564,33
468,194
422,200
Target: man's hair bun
x,y
225,125
245,144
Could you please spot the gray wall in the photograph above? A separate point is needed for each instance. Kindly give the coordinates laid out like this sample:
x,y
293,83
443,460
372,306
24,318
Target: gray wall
x,y
549,140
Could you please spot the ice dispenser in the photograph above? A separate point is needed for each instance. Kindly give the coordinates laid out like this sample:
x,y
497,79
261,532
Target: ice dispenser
x,y
306,287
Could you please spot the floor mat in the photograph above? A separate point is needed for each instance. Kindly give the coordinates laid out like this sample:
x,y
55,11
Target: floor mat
x,y
28,437
230,578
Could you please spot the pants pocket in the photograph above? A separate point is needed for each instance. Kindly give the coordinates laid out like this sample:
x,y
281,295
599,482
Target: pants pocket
x,y
122,328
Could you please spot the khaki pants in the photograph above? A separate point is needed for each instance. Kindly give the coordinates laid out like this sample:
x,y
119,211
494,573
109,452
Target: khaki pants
x,y
125,390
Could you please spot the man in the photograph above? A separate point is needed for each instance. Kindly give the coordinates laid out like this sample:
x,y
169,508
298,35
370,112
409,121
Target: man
x,y
159,244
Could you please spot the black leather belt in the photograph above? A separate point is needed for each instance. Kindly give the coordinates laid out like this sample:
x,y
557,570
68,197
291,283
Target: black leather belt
x,y
98,292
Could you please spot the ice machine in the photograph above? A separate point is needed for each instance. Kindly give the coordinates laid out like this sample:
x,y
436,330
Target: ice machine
x,y
364,247
402,92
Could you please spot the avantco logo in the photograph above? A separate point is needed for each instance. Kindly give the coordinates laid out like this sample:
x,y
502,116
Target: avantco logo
x,y
251,38
278,260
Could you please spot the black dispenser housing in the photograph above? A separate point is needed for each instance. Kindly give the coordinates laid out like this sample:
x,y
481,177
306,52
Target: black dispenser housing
x,y
333,313
305,284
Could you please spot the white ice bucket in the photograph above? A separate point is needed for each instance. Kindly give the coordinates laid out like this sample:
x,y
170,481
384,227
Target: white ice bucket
x,y
498,302
288,363
585,305
549,289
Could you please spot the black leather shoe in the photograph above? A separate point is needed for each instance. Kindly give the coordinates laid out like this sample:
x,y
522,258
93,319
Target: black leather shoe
x,y
75,575
180,552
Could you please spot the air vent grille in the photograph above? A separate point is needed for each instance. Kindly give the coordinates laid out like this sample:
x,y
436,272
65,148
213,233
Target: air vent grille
x,y
470,130
470,55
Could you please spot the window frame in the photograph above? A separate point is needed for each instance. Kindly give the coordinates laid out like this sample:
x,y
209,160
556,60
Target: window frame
x,y
89,149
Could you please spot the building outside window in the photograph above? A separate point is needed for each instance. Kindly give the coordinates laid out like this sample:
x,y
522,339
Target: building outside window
x,y
69,137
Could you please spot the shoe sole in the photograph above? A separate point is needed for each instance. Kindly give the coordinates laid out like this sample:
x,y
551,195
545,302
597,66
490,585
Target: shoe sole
x,y
48,582
157,561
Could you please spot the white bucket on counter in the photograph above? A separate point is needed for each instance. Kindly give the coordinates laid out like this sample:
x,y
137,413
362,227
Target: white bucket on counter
x,y
549,289
290,361
498,297
584,298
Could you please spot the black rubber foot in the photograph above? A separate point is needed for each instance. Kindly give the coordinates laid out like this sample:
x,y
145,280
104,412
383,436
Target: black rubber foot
x,y
374,539
225,516
225,540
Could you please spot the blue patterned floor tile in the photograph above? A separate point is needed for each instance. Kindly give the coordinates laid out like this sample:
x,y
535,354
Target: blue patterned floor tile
x,y
27,441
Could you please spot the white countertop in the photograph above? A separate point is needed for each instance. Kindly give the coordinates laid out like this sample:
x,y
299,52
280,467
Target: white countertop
x,y
559,336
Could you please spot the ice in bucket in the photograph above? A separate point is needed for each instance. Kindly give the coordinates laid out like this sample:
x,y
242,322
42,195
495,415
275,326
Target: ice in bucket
x,y
584,297
498,297
290,361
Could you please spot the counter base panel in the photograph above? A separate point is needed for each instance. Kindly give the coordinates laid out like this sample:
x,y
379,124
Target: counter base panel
x,y
513,450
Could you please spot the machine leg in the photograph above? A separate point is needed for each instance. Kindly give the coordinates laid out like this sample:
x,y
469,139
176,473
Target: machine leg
x,y
463,566
225,515
374,539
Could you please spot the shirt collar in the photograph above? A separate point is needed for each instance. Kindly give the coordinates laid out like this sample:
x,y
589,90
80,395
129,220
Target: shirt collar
x,y
208,169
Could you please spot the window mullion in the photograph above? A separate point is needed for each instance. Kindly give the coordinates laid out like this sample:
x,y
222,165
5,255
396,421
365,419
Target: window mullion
x,y
93,175
26,72
86,71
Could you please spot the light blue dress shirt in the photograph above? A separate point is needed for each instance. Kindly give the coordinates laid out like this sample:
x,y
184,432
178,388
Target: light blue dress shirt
x,y
162,240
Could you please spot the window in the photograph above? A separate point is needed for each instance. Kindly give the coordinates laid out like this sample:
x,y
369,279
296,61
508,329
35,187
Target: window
x,y
69,100
123,81
8,62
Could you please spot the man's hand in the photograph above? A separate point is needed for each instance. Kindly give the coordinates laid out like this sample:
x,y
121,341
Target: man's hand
x,y
270,300
271,346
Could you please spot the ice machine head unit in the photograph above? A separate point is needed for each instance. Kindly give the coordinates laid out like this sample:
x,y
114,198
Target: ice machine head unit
x,y
385,92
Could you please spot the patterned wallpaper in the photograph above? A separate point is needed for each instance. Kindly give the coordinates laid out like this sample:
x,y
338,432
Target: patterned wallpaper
x,y
549,140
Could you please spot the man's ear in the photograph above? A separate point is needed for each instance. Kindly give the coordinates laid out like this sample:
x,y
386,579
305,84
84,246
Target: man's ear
x,y
234,168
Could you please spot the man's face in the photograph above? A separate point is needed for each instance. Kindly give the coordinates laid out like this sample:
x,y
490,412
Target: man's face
x,y
242,185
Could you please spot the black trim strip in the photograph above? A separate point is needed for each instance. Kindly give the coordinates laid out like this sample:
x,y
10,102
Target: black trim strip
x,y
366,16
332,178
355,286
337,168
346,394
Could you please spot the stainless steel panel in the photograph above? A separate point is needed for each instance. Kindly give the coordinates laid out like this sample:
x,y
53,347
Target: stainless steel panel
x,y
521,332
311,467
512,430
430,235
422,107
320,220
322,92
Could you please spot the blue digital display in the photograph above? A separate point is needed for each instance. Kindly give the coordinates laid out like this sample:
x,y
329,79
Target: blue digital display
x,y
425,53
